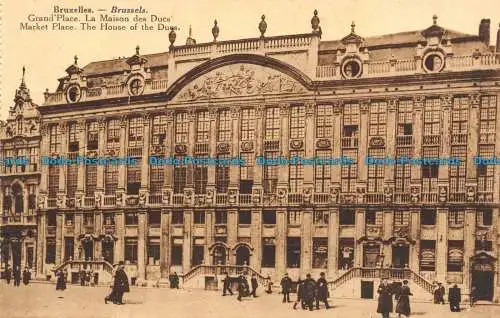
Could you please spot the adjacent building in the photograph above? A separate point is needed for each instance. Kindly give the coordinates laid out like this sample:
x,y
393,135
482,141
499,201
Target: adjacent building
x,y
431,93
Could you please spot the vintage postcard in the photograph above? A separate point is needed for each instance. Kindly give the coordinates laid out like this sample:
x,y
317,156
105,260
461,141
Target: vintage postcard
x,y
249,158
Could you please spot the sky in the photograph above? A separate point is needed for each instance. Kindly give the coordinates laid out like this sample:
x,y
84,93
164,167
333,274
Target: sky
x,y
46,54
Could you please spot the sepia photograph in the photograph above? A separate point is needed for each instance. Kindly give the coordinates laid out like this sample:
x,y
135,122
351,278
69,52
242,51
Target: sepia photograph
x,y
252,159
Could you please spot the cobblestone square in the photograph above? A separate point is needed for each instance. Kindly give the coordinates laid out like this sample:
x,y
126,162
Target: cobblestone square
x,y
42,301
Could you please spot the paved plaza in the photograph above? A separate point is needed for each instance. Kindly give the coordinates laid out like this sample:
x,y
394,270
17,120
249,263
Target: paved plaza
x,y
42,300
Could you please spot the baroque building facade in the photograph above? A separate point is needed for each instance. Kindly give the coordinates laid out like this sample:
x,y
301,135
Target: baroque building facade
x,y
431,93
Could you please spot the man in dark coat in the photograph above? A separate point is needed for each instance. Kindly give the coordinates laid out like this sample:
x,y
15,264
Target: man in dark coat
x,y
17,276
8,275
322,291
384,299
439,294
26,276
61,282
286,285
175,281
120,286
242,287
254,285
227,285
309,292
454,297
403,298
300,294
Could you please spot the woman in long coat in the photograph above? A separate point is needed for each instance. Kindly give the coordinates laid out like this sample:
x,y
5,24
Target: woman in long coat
x,y
61,281
384,299
403,305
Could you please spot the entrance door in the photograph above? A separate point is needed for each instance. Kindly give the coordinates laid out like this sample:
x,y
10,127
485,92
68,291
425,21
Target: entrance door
x,y
29,256
400,256
16,253
108,251
88,250
483,281
242,255
370,255
366,289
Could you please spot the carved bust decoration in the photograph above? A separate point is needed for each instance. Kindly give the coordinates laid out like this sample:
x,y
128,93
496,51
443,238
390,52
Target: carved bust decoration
x,y
142,198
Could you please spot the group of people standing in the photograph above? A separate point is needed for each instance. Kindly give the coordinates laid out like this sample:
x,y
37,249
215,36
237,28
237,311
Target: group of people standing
x,y
88,277
16,275
308,291
243,286
454,296
402,294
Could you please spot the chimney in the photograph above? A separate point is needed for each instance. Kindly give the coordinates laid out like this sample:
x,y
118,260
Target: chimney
x,y
498,39
484,31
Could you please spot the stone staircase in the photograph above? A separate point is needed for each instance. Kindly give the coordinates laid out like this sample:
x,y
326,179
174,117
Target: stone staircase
x,y
73,267
195,278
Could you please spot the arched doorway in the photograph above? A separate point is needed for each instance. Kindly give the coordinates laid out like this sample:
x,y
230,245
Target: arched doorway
x,y
88,248
219,255
243,255
483,275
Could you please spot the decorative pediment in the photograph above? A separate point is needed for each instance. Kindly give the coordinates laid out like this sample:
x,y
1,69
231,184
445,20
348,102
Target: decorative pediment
x,y
352,39
239,80
433,31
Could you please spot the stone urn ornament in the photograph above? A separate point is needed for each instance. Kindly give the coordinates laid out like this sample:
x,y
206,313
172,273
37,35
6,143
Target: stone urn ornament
x,y
262,26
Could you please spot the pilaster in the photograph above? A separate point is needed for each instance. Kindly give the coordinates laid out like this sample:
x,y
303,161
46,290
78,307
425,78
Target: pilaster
x,y
283,170
232,227
337,141
363,141
101,124
212,111
418,109
473,138
256,238
390,148
333,242
120,233
414,233
169,150
306,242
165,240
80,128
59,237
40,246
122,169
309,142
469,244
359,232
188,240
281,242
442,244
445,152
258,169
234,171
209,233
141,244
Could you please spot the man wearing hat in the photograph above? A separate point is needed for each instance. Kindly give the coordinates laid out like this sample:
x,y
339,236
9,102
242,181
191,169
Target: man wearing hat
x,y
120,286
322,290
286,285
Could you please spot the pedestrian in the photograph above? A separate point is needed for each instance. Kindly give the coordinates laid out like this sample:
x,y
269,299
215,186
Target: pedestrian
x,y
26,276
269,285
254,285
454,297
473,295
439,294
242,287
227,285
17,276
8,274
384,299
309,292
82,277
88,274
322,291
61,282
300,292
120,286
403,298
175,280
286,285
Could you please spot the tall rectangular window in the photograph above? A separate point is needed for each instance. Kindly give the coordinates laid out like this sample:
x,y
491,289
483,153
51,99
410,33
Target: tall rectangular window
x,y
131,250
73,140
200,179
297,122
401,218
402,174
485,173
90,180
135,132
351,114
322,173
456,217
432,116
159,131
487,119
455,256
349,173
153,251
180,178
430,172
324,121
272,124
202,126
225,124
270,174
296,177
458,172
113,134
378,118
246,172
53,181
268,252
293,247
320,252
220,217
181,128
376,172
459,115
222,176
55,139
156,178
247,124
110,179
134,178
50,253
427,255
92,135
71,180
294,217
405,118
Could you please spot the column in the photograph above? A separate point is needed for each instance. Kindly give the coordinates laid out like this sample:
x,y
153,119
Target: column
x,y
98,230
390,149
144,190
63,129
165,243
388,233
309,143
443,178
44,169
415,249
283,170
188,240
122,169
333,243
337,142
232,227
78,230
59,237
496,183
102,148
472,139
256,239
442,244
234,171
469,245
40,248
120,233
169,150
281,236
212,111
306,242
363,141
259,136
141,244
209,233
416,171
359,232
80,126
190,149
